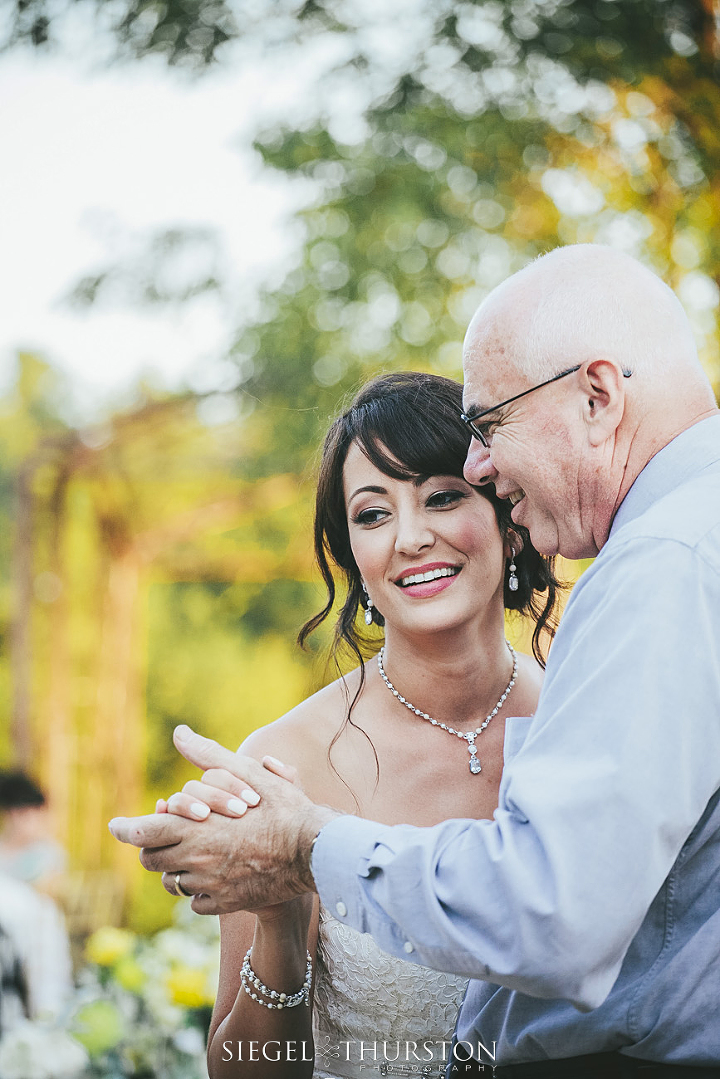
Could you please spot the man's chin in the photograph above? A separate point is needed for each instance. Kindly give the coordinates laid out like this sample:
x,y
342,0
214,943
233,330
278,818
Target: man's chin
x,y
546,548
547,539
571,547
543,533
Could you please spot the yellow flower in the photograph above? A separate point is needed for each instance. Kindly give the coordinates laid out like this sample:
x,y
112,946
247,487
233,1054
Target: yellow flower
x,y
129,974
188,986
107,945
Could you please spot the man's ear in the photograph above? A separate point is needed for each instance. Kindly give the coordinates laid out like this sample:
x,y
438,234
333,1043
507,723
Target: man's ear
x,y
603,386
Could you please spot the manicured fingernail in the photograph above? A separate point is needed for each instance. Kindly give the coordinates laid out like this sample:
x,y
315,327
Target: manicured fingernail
x,y
274,760
183,732
250,797
237,807
199,809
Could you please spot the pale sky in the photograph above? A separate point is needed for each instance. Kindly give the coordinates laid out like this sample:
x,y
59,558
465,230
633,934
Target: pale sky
x,y
93,164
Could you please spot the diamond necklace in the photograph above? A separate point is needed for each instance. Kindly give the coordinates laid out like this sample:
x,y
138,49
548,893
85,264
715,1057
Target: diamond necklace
x,y
468,736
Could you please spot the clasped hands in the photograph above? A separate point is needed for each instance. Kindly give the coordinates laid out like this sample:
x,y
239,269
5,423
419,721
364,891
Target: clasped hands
x,y
230,859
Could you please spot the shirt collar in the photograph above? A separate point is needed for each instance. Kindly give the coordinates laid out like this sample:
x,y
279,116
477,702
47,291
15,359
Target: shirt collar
x,y
687,454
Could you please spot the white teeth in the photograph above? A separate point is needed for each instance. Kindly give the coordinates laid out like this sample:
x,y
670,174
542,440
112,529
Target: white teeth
x,y
516,497
431,575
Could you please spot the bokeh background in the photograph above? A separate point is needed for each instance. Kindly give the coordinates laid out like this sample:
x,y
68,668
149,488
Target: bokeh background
x,y
219,218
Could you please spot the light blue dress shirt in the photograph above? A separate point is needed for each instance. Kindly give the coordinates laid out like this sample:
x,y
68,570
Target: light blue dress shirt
x,y
589,907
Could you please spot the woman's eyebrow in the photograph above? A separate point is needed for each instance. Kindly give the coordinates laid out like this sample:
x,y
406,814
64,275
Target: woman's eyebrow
x,y
371,489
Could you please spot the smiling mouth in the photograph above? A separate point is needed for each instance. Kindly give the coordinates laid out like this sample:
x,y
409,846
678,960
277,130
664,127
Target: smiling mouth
x,y
431,575
515,497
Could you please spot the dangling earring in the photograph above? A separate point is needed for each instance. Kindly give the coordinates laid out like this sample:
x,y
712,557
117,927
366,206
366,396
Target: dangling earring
x,y
368,605
513,583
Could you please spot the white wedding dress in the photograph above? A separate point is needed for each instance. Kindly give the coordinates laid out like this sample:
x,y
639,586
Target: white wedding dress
x,y
370,1008
377,1015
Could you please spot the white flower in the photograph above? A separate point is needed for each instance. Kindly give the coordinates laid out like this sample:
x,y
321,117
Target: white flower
x,y
32,1049
189,1040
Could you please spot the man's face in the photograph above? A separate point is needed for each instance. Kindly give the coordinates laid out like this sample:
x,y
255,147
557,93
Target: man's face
x,y
539,457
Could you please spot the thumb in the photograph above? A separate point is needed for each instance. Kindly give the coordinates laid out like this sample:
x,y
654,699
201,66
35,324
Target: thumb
x,y
205,753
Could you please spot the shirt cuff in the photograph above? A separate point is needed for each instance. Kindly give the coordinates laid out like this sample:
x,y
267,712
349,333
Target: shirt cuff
x,y
341,851
347,852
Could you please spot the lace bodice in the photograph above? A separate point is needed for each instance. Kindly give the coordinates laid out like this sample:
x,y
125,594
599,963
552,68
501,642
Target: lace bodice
x,y
371,1009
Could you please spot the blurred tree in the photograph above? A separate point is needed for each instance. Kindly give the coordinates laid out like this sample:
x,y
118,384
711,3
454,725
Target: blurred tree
x,y
520,126
28,416
596,38
150,585
452,142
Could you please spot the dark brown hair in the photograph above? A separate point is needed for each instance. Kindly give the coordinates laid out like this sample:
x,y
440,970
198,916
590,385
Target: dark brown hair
x,y
19,791
408,425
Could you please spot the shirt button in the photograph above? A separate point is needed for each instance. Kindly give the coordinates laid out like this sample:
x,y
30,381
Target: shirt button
x,y
341,909
407,947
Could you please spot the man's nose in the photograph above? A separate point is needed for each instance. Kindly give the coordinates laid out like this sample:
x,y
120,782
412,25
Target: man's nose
x,y
478,468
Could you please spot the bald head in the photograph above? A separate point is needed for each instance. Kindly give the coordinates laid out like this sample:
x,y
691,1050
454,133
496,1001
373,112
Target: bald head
x,y
587,301
566,453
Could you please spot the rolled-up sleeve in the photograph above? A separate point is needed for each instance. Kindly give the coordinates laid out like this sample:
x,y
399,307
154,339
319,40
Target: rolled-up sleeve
x,y
619,763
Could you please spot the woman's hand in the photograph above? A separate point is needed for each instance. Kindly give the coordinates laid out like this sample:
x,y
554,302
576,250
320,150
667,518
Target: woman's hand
x,y
210,795
219,791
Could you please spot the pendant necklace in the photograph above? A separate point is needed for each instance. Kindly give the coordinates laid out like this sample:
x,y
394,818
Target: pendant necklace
x,y
468,736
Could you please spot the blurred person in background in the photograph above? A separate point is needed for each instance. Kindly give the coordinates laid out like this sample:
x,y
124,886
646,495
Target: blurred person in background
x,y
36,966
28,849
14,995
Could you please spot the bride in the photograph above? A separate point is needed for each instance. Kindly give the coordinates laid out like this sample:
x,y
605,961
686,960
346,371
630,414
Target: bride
x,y
414,735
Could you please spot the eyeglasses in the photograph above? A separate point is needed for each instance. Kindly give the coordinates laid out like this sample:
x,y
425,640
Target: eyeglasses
x,y
471,421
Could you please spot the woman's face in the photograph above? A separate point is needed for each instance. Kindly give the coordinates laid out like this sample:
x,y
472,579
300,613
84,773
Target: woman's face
x,y
441,529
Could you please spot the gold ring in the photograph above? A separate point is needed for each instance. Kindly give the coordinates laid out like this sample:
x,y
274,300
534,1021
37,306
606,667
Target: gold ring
x,y
178,888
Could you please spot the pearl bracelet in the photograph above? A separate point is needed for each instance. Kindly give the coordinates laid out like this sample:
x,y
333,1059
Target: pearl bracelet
x,y
252,986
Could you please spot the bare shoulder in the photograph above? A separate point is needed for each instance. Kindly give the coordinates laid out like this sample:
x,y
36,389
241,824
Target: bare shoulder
x,y
531,670
530,680
303,735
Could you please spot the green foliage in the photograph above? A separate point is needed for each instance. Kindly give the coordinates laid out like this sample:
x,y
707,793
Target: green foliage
x,y
222,658
187,32
150,585
418,222
601,38
504,129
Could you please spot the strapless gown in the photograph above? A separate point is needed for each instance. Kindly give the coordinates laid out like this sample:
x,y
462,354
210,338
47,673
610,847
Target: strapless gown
x,y
377,1015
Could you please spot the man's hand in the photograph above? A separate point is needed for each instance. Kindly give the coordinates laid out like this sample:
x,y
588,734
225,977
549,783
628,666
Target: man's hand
x,y
232,864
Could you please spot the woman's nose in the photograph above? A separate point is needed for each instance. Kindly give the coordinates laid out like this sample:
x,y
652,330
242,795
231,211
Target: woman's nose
x,y
413,533
479,469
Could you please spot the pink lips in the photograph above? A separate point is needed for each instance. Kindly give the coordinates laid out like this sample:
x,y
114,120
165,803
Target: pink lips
x,y
429,588
425,589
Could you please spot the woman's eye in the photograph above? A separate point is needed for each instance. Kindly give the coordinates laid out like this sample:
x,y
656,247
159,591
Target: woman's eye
x,y
369,517
445,498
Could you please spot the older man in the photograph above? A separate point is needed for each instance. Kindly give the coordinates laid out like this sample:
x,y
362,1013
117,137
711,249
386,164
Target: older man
x,y
588,910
